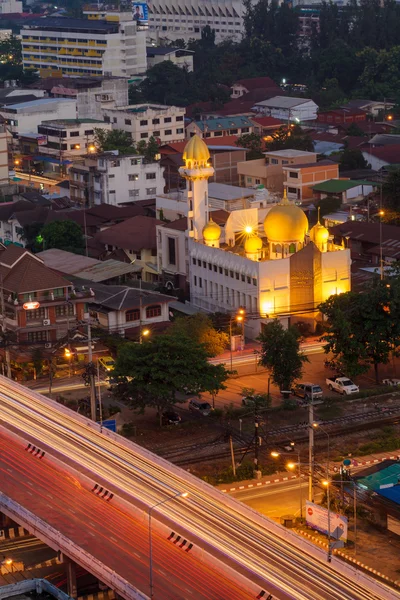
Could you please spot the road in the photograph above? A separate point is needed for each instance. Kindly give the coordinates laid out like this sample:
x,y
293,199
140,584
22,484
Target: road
x,y
29,550
227,530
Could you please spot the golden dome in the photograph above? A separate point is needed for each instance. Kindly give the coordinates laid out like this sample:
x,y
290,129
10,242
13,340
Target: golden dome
x,y
319,234
285,223
211,231
196,153
253,244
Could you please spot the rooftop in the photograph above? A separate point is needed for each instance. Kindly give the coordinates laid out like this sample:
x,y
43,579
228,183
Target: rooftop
x,y
65,23
134,234
223,123
283,102
339,185
70,122
320,163
223,191
255,83
389,154
165,50
118,297
384,477
368,232
289,153
40,102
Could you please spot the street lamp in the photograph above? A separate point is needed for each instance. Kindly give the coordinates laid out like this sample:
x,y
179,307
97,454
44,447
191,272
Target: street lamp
x,y
239,318
318,426
381,214
177,495
327,484
292,466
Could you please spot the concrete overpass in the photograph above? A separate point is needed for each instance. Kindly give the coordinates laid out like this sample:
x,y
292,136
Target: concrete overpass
x,y
87,493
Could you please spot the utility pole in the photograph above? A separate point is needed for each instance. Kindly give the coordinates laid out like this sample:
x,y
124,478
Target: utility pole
x,y
91,372
232,455
4,328
140,310
257,471
311,448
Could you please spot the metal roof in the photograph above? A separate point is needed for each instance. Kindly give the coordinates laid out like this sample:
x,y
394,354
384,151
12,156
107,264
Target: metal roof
x,y
223,191
338,185
283,102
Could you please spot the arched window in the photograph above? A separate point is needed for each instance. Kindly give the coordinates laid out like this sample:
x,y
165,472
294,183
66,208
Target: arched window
x,y
292,248
153,311
132,315
278,249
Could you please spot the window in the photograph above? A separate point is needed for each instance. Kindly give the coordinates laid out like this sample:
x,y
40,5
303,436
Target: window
x,y
292,190
171,251
236,275
150,175
153,311
293,175
254,281
133,177
35,315
128,121
133,193
215,268
151,191
231,274
156,133
248,279
168,132
274,161
195,280
204,264
114,119
144,136
74,134
209,266
64,310
112,191
179,118
194,261
143,122
37,336
89,132
258,181
179,131
111,176
167,120
132,315
200,282
226,272
136,161
156,121
220,270
58,292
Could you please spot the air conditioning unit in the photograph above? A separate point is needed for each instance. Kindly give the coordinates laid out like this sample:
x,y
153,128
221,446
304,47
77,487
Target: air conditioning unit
x,y
46,322
47,345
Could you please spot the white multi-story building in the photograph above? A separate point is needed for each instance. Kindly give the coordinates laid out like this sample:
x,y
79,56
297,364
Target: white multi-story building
x,y
142,121
57,46
263,259
69,138
173,19
25,117
10,6
110,178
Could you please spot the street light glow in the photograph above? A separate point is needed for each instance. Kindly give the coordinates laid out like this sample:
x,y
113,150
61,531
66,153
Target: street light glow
x,y
291,465
31,305
275,454
146,332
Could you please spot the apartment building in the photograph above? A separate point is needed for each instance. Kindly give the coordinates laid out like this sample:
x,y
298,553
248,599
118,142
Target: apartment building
x,y
171,19
69,138
299,179
25,117
142,121
58,46
210,128
109,178
268,171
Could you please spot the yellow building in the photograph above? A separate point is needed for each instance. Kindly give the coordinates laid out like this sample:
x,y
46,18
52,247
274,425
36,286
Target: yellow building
x,y
265,260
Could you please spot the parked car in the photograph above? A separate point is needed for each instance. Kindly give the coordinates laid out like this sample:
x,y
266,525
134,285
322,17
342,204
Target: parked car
x,y
198,406
307,391
343,385
392,382
170,417
107,362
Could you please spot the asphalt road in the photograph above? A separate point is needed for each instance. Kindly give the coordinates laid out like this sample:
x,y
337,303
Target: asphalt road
x,y
119,538
29,550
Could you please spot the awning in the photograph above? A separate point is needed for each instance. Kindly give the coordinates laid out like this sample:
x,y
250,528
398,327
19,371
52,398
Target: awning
x,y
51,159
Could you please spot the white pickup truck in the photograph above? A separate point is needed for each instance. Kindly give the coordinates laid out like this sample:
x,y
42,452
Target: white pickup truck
x,y
343,385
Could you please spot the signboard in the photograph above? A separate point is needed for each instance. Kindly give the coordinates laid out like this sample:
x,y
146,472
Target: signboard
x,y
41,140
317,518
140,14
31,305
110,424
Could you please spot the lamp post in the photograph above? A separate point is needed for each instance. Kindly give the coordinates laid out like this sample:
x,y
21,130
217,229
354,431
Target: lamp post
x,y
293,466
177,495
318,426
381,214
327,484
239,318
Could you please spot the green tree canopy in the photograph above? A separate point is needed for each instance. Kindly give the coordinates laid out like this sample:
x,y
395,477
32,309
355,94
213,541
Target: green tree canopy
x,y
353,159
363,328
280,353
65,235
391,190
115,139
200,328
165,366
291,137
253,143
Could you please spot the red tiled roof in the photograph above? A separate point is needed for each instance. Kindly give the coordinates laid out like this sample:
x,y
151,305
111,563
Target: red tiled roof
x,y
178,147
11,254
220,216
178,225
134,234
267,121
389,154
366,232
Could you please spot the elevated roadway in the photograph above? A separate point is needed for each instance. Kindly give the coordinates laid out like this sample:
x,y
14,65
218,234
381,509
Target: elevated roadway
x,y
206,546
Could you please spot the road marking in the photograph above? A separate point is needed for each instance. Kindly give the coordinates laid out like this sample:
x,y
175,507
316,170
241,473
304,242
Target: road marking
x,y
30,483
190,591
113,538
73,511
50,496
137,554
30,493
163,573
93,534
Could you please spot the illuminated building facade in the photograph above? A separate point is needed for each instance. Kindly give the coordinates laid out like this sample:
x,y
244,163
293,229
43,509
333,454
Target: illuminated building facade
x,y
264,259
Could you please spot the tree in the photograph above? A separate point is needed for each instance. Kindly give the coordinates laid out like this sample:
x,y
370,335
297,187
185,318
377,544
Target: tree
x,y
37,360
31,234
200,328
65,235
353,159
290,137
355,130
391,190
328,205
148,149
253,143
259,400
280,353
166,366
363,328
116,139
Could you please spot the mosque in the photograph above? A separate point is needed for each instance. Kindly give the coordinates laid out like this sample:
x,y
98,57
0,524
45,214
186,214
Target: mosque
x,y
266,260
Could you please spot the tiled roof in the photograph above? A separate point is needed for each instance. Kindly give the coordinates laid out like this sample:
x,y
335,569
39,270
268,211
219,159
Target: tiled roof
x,y
178,225
223,123
134,234
267,121
11,254
389,154
115,213
8,209
225,140
368,232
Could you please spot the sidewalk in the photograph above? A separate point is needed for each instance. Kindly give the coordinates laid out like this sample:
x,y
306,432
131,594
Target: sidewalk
x,y
286,476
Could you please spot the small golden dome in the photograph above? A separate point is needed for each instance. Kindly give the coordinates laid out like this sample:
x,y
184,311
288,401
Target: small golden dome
x,y
211,231
319,234
253,244
285,223
196,153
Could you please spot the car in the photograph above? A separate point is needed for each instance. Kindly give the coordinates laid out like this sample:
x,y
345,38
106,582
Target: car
x,y
107,362
198,406
391,382
307,391
170,417
343,385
